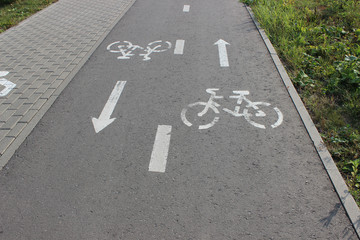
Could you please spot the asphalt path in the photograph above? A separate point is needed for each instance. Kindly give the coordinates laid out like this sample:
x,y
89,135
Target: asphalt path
x,y
232,180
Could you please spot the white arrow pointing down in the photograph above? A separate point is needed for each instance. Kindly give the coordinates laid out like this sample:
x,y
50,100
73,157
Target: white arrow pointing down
x,y
223,56
104,119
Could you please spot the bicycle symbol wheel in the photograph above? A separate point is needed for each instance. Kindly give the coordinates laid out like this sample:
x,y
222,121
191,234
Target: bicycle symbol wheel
x,y
159,46
200,126
121,47
258,119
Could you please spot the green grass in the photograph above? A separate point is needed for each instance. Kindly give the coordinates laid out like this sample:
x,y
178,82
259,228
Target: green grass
x,y
319,43
14,11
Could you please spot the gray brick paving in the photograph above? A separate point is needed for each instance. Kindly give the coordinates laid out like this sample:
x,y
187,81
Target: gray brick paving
x,y
11,122
28,116
16,130
23,110
43,51
5,143
3,133
6,115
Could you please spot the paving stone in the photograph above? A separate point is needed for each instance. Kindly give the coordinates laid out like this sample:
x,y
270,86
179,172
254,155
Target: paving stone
x,y
42,88
6,115
5,143
10,123
36,85
59,71
71,67
3,133
45,75
36,67
82,54
27,93
16,130
50,80
39,103
48,93
17,104
23,110
38,73
22,89
11,98
2,100
63,75
3,108
28,116
56,84
33,98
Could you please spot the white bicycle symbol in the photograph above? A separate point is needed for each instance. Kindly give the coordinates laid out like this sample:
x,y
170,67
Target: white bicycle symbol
x,y
126,49
246,113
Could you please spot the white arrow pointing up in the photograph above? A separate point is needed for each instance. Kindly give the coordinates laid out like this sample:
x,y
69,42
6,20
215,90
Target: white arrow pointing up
x,y
6,83
223,57
104,119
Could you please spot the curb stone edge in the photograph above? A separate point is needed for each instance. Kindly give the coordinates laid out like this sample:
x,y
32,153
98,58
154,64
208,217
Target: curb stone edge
x,y
335,176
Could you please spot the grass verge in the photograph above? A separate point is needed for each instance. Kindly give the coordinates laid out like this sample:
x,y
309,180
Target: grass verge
x,y
319,44
14,11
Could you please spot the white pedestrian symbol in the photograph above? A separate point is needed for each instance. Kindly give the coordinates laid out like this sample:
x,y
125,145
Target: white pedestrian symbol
x,y
126,49
246,113
6,83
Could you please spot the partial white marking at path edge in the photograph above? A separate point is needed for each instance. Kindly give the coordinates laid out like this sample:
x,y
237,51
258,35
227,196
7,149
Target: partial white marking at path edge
x,y
179,46
186,8
8,87
161,149
6,83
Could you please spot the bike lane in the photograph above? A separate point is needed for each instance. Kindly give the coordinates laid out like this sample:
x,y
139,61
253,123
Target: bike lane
x,y
232,180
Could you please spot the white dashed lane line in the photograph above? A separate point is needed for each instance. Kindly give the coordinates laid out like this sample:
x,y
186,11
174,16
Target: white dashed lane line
x,y
161,149
179,46
186,8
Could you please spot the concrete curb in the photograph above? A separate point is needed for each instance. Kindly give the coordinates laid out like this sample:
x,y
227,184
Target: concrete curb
x,y
337,180
4,159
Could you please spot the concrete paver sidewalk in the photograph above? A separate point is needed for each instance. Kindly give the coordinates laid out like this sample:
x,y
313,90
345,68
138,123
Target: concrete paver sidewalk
x,y
42,54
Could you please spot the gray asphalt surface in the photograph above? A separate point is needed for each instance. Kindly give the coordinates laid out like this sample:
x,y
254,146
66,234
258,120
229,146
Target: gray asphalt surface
x,y
231,181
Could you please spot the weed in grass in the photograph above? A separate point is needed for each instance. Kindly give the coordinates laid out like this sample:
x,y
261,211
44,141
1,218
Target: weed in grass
x,y
352,168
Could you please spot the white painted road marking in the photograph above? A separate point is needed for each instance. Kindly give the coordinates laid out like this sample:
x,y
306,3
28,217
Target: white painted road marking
x,y
280,119
223,56
161,149
179,46
6,83
240,95
156,46
126,49
104,119
186,8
